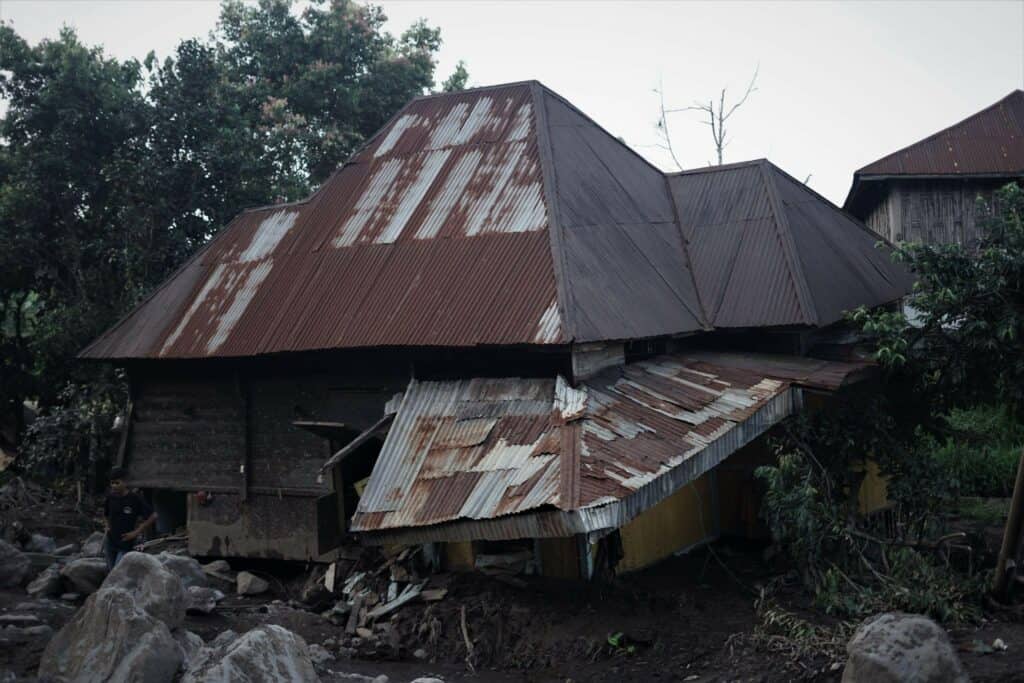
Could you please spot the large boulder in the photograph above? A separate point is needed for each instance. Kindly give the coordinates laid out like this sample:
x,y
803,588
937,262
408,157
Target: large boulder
x,y
270,654
38,543
84,575
188,570
896,647
202,600
250,584
93,545
112,639
14,566
156,589
48,584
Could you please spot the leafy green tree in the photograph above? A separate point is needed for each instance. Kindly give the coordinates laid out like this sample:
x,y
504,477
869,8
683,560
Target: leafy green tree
x,y
112,173
964,343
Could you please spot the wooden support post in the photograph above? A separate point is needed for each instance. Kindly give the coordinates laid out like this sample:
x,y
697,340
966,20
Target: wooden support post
x,y
1011,534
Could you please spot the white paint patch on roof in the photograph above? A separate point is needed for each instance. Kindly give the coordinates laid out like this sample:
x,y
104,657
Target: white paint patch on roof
x,y
375,189
549,329
520,128
403,124
269,234
451,192
413,194
448,127
200,298
506,207
240,298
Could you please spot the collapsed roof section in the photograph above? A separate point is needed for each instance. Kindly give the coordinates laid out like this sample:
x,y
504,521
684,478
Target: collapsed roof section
x,y
768,251
527,458
496,216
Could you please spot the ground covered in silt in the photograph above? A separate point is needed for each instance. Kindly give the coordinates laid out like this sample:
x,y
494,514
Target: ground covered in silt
x,y
718,614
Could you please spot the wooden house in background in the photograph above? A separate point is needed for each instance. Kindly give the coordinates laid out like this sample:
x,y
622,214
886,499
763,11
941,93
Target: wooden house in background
x,y
928,192
495,324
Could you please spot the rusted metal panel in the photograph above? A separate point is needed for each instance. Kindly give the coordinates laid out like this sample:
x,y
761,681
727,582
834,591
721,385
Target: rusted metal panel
x,y
528,445
986,145
990,141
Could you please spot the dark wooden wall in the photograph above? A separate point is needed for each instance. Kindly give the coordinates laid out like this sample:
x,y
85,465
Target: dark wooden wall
x,y
931,211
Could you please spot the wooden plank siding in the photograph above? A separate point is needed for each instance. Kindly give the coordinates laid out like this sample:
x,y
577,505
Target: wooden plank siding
x,y
931,211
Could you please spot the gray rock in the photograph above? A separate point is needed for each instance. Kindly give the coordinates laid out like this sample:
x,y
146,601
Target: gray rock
x,y
14,566
65,550
188,570
896,647
420,654
202,600
93,545
191,646
112,639
250,584
156,590
319,655
47,584
219,571
223,639
18,635
427,679
70,597
270,654
19,620
38,543
84,575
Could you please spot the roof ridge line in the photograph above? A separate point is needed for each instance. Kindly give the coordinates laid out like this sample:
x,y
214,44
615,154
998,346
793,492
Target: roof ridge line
x,y
785,233
549,186
717,167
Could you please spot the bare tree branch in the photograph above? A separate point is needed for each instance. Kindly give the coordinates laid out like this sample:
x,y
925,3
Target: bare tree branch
x,y
717,117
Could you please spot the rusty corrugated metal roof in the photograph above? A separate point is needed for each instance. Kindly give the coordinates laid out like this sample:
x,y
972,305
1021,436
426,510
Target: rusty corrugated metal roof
x,y
496,216
540,456
989,143
769,251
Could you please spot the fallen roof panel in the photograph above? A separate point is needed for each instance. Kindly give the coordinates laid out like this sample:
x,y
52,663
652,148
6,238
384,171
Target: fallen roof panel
x,y
509,454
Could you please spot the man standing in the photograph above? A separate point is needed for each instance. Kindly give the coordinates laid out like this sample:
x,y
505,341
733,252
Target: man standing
x,y
127,516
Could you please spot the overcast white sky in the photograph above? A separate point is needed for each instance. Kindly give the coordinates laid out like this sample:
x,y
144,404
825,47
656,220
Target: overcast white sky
x,y
841,84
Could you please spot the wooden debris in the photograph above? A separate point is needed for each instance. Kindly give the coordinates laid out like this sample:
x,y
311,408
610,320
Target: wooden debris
x,y
408,593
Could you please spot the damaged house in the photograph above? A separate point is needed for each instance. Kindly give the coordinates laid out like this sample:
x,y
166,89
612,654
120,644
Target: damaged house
x,y
495,327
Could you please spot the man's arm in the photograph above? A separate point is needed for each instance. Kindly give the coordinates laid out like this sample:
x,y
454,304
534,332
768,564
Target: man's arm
x,y
140,529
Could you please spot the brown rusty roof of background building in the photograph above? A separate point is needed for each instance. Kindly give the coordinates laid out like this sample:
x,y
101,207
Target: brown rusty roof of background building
x,y
495,216
520,458
988,143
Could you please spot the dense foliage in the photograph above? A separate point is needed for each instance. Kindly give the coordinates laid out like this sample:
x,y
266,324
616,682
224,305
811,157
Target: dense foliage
x,y
944,423
112,173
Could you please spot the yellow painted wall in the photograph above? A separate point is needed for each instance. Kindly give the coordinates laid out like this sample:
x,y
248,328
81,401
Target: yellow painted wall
x,y
459,557
681,520
559,558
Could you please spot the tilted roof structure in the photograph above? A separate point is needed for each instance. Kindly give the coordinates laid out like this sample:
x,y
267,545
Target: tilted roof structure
x,y
528,458
505,216
989,143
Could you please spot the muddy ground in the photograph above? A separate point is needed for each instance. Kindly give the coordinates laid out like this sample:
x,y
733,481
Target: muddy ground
x,y
690,618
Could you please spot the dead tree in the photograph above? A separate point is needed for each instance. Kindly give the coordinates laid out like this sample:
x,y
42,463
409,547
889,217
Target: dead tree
x,y
718,116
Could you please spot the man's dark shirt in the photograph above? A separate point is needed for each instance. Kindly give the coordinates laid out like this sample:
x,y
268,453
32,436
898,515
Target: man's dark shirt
x,y
124,513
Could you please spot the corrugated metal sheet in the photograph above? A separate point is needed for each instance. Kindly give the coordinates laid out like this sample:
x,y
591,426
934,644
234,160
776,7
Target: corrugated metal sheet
x,y
496,216
989,143
496,451
768,251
